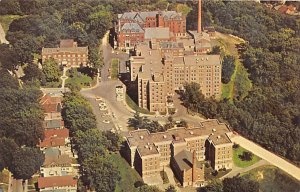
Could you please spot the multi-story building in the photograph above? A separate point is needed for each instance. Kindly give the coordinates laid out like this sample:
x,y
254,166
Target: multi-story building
x,y
149,152
133,26
159,71
67,54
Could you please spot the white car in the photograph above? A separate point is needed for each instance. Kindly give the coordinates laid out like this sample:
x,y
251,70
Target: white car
x,y
98,99
103,108
106,121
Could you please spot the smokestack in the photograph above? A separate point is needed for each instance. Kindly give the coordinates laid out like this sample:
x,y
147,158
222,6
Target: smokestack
x,y
194,174
199,16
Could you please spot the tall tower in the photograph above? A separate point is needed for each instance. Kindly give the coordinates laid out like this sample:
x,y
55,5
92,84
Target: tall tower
x,y
199,16
194,174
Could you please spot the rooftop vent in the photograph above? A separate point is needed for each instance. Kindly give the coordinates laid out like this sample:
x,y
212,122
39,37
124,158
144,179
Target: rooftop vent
x,y
191,132
206,58
202,59
218,136
164,136
211,134
146,146
142,137
150,148
214,130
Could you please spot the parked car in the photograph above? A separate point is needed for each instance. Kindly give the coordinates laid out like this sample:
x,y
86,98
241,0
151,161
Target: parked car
x,y
106,121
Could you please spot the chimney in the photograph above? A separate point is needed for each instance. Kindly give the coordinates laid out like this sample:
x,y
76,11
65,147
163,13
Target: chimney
x,y
194,173
199,16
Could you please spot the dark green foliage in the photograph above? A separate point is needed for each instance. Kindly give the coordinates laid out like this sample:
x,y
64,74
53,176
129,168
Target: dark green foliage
x,y
147,188
51,70
33,73
240,184
171,188
8,58
26,161
246,156
77,113
142,122
100,174
213,186
269,113
228,66
10,7
7,81
8,148
21,116
114,140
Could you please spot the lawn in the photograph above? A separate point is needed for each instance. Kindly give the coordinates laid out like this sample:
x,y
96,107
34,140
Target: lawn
x,y
79,79
239,83
128,175
272,179
239,162
6,20
135,107
114,68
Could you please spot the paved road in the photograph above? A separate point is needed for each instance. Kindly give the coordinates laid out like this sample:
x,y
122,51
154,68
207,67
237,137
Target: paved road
x,y
238,170
2,36
270,157
64,77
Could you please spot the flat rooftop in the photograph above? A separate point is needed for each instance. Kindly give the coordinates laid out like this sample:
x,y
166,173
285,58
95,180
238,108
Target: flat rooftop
x,y
143,138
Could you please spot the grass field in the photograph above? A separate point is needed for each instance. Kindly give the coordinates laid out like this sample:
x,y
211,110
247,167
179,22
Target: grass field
x,y
135,107
239,162
128,175
239,83
6,20
114,68
272,179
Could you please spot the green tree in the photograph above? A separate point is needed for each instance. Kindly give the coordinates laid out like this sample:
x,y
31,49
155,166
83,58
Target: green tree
x,y
213,186
26,162
8,57
240,184
115,140
8,148
91,143
216,50
10,7
100,22
228,66
33,73
147,188
77,113
51,70
7,81
183,8
171,188
100,174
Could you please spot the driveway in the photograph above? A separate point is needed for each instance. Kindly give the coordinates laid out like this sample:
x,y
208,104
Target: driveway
x,y
268,156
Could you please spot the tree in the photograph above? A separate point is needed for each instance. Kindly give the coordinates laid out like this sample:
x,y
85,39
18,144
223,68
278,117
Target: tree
x,y
8,148
213,186
171,188
91,143
216,50
26,162
32,73
51,70
10,7
8,57
77,113
183,8
147,188
7,81
240,184
100,22
114,139
246,156
100,174
228,66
